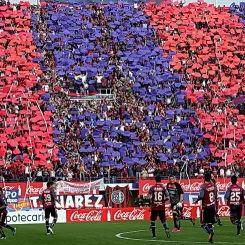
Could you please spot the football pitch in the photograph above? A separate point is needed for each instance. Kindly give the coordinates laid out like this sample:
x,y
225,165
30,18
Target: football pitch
x,y
119,233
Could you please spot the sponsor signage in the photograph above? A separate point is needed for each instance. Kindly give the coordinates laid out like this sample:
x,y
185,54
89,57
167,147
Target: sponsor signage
x,y
101,215
12,196
192,185
26,196
107,214
130,214
191,188
32,217
86,215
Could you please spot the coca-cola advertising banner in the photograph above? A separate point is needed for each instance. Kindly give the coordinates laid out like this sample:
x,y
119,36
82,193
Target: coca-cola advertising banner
x,y
191,188
106,215
130,214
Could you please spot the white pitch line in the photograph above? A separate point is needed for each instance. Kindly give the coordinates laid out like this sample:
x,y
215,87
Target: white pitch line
x,y
120,236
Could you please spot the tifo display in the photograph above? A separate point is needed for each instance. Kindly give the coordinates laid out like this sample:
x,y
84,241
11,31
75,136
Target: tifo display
x,y
122,112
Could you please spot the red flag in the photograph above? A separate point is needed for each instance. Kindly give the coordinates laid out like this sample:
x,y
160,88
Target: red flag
x,y
118,197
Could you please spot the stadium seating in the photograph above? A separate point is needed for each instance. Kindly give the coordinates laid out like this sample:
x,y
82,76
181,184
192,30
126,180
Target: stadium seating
x,y
176,79
26,130
209,52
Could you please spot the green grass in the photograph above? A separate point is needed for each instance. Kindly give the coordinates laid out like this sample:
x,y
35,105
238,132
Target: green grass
x,y
105,234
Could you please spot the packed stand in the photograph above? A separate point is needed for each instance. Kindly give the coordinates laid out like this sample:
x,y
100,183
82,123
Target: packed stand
x,y
209,45
149,125
25,127
81,46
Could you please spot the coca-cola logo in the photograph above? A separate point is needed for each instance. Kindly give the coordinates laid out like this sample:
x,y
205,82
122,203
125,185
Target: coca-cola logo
x,y
224,211
8,187
195,186
135,214
117,197
34,190
146,187
93,215
222,186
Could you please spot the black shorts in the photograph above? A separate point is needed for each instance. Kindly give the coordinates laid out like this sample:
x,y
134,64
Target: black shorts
x,y
236,212
208,215
3,216
50,211
158,213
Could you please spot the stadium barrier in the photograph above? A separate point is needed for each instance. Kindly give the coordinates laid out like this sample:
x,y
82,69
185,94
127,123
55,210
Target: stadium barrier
x,y
191,188
36,216
82,202
130,214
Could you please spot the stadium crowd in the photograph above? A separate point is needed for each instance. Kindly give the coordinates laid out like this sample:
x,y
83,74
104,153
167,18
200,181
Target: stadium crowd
x,y
152,125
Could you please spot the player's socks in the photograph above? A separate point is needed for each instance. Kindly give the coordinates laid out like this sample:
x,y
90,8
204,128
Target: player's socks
x,y
2,234
193,221
210,237
166,229
218,220
176,223
53,223
165,226
153,229
47,225
211,233
238,227
51,230
14,231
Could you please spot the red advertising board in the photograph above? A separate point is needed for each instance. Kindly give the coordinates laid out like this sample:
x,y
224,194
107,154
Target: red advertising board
x,y
192,185
129,214
86,215
107,214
